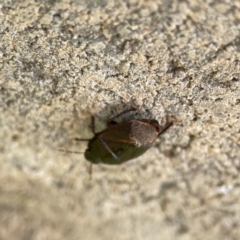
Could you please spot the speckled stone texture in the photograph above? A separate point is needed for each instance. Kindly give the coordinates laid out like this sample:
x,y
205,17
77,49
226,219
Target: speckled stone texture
x,y
63,61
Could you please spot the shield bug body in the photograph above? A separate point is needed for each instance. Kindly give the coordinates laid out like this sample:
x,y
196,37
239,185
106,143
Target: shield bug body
x,y
121,142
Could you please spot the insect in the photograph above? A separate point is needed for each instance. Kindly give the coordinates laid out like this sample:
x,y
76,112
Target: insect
x,y
123,141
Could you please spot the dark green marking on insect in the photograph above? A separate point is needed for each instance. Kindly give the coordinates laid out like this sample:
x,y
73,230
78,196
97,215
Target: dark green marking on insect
x,y
121,142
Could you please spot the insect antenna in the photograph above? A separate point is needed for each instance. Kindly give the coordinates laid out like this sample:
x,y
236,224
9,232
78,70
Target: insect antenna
x,y
81,139
73,164
68,151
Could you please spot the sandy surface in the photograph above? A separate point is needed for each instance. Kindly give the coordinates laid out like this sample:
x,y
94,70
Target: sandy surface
x,y
63,61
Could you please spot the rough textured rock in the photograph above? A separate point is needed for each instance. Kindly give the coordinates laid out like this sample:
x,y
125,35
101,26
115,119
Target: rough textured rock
x,y
63,61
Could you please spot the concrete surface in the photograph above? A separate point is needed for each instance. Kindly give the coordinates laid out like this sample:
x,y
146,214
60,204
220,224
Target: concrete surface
x,y
63,61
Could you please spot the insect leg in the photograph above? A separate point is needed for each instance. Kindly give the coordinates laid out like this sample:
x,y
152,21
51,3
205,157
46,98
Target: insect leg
x,y
111,121
109,150
166,128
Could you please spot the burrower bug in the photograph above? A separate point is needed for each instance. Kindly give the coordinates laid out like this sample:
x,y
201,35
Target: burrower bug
x,y
121,142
